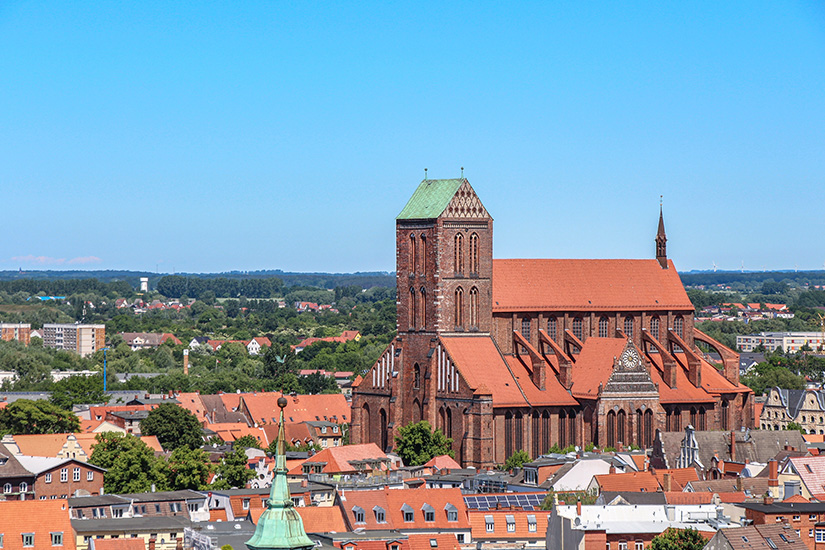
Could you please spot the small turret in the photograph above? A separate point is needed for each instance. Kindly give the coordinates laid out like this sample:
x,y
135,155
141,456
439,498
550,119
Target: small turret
x,y
661,241
280,527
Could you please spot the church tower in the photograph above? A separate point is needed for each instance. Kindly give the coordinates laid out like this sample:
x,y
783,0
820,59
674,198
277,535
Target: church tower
x,y
661,241
444,247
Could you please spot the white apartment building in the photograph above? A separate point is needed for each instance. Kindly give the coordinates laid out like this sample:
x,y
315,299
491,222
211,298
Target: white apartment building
x,y
83,339
788,341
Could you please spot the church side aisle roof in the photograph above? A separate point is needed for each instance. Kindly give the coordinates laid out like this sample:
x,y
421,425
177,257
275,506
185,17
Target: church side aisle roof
x,y
481,364
586,285
430,199
594,365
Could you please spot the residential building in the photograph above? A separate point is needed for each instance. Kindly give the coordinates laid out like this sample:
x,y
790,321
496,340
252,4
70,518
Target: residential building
x,y
804,407
57,478
16,331
802,518
790,342
756,537
260,408
16,481
508,355
146,340
165,533
36,525
80,338
365,459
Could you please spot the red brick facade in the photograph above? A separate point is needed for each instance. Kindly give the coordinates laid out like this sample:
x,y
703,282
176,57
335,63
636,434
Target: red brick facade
x,y
502,367
71,478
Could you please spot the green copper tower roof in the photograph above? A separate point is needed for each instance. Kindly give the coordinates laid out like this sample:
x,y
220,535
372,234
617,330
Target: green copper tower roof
x,y
430,199
280,527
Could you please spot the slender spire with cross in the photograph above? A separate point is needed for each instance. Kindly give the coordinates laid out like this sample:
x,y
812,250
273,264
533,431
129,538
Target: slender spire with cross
x,y
661,239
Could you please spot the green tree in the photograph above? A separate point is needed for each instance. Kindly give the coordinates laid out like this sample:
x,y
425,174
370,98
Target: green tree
x,y
75,390
245,442
795,426
174,427
25,416
417,443
132,466
233,471
678,539
189,469
516,460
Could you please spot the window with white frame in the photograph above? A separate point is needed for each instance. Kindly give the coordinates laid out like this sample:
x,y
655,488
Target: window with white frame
x,y
76,474
48,478
7,488
90,476
511,523
489,523
531,523
622,545
24,487
820,535
28,540
64,475
640,545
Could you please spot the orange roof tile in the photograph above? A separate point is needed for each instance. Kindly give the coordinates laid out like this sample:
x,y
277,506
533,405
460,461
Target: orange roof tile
x,y
40,517
217,514
393,500
811,470
594,364
322,519
191,401
586,285
684,392
230,431
337,459
443,541
481,365
263,409
443,461
679,477
678,497
633,482
500,531
130,543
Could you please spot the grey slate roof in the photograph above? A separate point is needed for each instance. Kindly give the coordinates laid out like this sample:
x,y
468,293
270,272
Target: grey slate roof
x,y
754,445
161,496
97,500
614,497
121,525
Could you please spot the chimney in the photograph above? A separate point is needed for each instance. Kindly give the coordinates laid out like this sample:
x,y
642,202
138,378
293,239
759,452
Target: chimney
x,y
739,484
773,476
732,446
152,543
579,506
179,543
767,499
612,469
666,483
186,362
304,482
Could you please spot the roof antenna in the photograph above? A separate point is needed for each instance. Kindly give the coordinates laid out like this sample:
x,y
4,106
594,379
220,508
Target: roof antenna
x,y
425,174
462,172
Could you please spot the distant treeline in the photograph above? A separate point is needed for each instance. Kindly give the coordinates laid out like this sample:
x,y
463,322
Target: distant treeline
x,y
365,280
66,287
175,286
752,277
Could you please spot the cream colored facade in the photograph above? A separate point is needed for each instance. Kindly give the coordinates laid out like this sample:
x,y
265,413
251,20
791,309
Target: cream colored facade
x,y
788,341
83,339
804,407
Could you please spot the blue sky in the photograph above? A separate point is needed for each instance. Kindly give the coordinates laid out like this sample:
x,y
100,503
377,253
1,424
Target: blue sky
x,y
214,136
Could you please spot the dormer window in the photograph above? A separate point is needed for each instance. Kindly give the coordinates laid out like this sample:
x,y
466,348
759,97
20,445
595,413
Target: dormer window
x,y
358,514
409,513
380,514
429,513
452,512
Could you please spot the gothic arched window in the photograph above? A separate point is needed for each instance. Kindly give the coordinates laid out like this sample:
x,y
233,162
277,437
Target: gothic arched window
x,y
654,327
628,326
412,310
423,254
413,259
423,307
474,253
603,327
416,376
551,327
474,307
679,326
577,327
459,253
459,307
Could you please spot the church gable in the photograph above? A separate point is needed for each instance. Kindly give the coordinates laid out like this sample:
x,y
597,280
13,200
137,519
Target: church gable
x,y
630,374
465,204
430,199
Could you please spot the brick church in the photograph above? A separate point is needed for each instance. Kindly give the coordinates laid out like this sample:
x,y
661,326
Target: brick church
x,y
504,355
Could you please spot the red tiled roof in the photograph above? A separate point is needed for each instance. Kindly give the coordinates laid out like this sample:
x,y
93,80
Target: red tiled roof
x,y
322,519
500,530
217,514
679,477
130,543
393,500
594,364
443,461
481,365
191,401
586,285
630,482
811,470
263,408
40,517
443,541
679,497
337,459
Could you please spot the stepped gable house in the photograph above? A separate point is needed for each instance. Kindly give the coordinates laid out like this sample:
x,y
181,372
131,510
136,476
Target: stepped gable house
x,y
505,355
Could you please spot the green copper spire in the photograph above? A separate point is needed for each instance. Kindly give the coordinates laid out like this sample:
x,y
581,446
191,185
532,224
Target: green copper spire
x,y
280,527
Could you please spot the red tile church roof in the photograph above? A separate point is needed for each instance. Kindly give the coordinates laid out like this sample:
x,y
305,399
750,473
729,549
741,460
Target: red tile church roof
x,y
482,365
586,285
